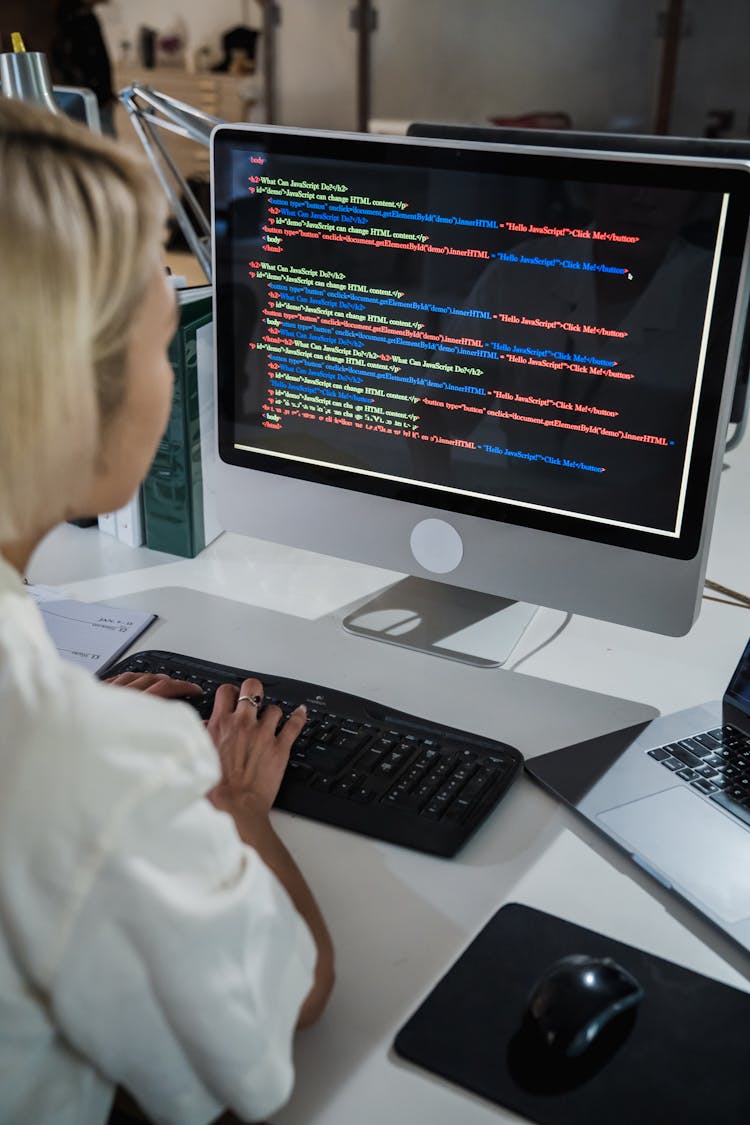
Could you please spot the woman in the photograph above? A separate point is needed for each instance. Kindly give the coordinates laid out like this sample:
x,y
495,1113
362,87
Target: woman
x,y
150,938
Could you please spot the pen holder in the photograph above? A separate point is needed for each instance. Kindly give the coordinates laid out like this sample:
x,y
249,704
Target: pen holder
x,y
24,75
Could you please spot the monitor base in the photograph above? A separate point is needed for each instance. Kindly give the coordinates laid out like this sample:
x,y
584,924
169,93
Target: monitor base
x,y
431,617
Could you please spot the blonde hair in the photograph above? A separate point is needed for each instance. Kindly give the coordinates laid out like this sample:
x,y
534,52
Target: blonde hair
x,y
81,221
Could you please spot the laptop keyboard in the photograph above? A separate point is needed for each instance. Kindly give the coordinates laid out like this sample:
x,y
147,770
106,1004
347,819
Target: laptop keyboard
x,y
717,763
362,766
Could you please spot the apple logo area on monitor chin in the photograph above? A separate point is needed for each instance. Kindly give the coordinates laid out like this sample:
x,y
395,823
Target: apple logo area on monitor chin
x,y
436,546
505,372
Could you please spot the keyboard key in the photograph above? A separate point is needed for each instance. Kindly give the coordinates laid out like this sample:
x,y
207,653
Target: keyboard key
x,y
447,791
300,771
328,759
400,794
736,808
496,759
362,794
382,744
659,754
348,782
323,782
387,768
464,772
420,766
686,756
372,758
424,792
708,741
695,747
458,810
704,786
478,783
399,754
350,740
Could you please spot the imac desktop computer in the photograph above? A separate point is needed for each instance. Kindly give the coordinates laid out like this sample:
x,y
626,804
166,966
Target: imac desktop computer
x,y
497,369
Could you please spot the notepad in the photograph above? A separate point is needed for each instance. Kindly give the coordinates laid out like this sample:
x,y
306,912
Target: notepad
x,y
91,634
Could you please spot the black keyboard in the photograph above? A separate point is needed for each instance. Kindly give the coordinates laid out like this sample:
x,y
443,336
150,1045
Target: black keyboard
x,y
716,763
360,766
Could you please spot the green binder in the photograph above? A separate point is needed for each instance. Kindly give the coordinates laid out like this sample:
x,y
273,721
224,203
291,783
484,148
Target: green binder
x,y
173,489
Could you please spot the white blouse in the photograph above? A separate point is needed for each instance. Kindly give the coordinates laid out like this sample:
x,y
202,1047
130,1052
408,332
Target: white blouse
x,y
141,942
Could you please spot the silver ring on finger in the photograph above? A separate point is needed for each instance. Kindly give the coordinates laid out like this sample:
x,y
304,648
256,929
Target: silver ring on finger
x,y
255,700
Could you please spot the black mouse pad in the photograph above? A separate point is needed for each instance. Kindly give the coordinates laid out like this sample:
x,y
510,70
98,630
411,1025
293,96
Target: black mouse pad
x,y
681,1055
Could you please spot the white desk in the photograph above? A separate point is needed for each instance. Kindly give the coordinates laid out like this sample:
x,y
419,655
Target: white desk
x,y
398,918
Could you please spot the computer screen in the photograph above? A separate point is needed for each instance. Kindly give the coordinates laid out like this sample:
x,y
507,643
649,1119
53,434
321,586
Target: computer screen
x,y
506,370
80,104
712,148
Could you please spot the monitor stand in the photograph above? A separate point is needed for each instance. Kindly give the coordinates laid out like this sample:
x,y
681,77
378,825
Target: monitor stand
x,y
432,617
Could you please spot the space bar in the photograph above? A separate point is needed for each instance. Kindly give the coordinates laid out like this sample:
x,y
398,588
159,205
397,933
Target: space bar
x,y
740,811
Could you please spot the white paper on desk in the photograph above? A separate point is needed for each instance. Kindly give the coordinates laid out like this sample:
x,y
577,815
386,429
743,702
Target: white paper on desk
x,y
43,593
88,633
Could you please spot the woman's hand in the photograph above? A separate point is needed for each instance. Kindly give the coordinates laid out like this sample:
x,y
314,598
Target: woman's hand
x,y
155,684
253,749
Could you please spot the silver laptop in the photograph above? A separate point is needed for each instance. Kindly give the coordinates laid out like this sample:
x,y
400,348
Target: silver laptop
x,y
675,794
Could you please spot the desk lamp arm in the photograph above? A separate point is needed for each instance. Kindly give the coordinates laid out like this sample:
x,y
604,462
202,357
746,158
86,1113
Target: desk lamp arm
x,y
150,111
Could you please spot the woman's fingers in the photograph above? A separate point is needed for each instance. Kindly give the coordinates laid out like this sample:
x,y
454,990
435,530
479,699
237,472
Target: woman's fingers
x,y
227,699
173,689
292,728
249,698
125,679
155,684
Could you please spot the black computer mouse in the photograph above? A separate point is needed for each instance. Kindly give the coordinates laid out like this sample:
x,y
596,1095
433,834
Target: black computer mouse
x,y
575,999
